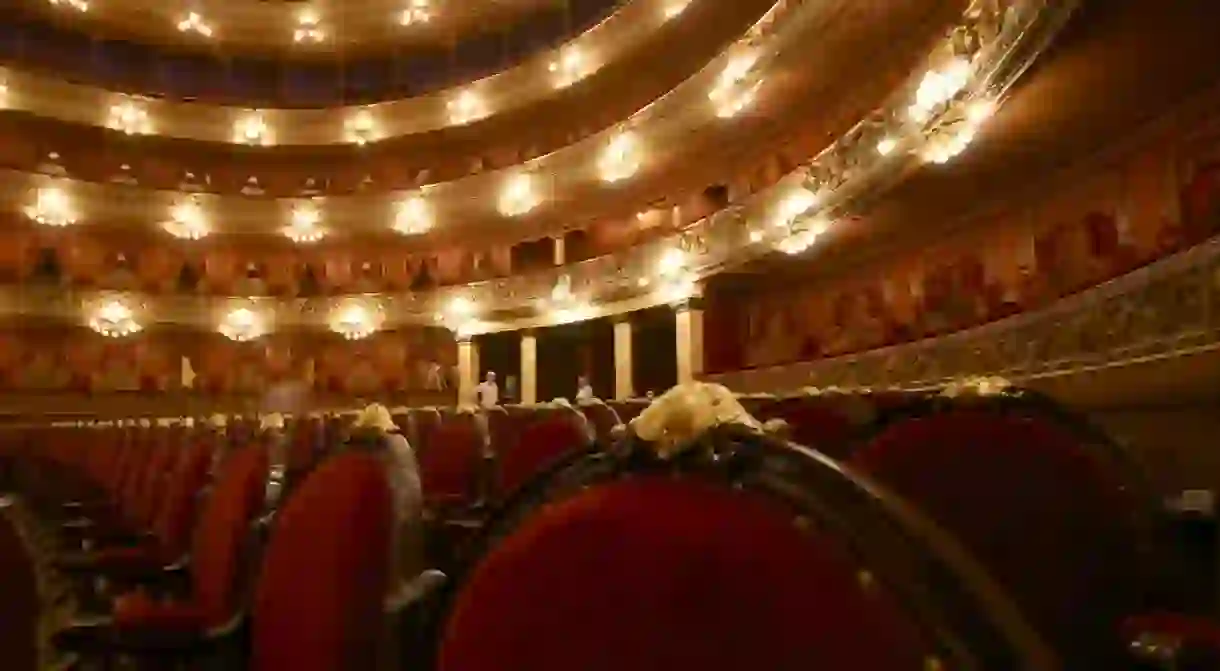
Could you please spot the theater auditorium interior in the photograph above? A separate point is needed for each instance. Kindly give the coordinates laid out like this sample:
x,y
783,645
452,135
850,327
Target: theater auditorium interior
x,y
609,335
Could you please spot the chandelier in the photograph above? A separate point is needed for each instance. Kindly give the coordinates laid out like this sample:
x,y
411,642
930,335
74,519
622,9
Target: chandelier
x,y
187,221
417,11
114,320
52,208
354,322
130,118
241,325
306,224
362,128
412,216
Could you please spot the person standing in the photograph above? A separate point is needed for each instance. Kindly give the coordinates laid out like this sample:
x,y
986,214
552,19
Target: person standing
x,y
487,393
584,390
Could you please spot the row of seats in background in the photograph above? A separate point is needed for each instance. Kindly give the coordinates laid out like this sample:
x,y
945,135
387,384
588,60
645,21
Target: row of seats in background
x,y
581,544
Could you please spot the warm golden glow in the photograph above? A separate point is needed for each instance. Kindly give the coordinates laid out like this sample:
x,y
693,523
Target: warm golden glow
x,y
518,196
361,128
569,67
951,139
413,216
113,319
78,5
801,240
939,87
354,321
52,207
309,27
129,117
468,106
252,129
194,22
3,94
886,146
672,8
242,325
187,221
306,225
621,158
736,86
796,204
417,11
672,262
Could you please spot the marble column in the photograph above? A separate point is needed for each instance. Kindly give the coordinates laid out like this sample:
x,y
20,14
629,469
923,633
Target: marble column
x,y
689,335
561,256
529,367
468,371
624,382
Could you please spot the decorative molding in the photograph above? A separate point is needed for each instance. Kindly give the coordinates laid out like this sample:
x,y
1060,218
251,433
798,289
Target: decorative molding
x,y
1163,310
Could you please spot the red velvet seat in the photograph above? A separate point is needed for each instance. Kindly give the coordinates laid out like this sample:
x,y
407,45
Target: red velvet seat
x,y
815,422
451,464
320,607
610,565
144,623
541,443
1050,518
175,516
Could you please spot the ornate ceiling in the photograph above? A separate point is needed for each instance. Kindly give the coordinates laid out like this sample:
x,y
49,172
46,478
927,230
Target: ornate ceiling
x,y
755,128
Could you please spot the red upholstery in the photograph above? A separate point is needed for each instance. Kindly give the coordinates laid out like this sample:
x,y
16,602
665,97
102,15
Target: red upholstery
x,y
1034,506
180,505
541,444
221,535
449,466
814,423
326,571
138,610
659,574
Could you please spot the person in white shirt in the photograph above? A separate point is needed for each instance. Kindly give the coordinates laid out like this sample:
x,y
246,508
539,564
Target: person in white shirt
x,y
487,393
584,390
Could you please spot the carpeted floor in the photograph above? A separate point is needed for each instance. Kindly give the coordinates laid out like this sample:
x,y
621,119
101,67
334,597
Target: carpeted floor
x,y
19,603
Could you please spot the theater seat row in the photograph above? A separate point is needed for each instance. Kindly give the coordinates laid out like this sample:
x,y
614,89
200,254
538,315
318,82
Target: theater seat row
x,y
920,532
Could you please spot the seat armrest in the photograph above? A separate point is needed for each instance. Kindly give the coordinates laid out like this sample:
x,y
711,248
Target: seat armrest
x,y
418,592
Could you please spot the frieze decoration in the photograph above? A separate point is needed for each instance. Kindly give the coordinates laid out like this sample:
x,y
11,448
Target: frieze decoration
x,y
1008,35
1165,309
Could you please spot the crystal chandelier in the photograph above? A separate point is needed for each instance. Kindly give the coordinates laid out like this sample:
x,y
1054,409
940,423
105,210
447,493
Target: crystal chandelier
x,y
241,325
52,208
354,322
114,320
306,224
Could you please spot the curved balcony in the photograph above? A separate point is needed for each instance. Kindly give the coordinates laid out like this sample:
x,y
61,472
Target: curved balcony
x,y
346,28
626,282
1162,311
207,73
677,160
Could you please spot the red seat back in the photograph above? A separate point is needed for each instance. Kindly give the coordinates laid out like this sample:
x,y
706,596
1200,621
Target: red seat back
x,y
221,539
1039,510
180,505
657,574
543,442
449,466
319,607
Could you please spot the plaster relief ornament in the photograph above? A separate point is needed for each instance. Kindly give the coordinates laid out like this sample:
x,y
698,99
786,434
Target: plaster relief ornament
x,y
684,413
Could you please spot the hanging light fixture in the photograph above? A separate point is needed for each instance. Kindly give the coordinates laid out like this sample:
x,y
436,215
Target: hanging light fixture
x,y
113,319
354,321
241,325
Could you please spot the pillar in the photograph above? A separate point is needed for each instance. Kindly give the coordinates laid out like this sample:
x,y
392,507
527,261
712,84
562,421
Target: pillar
x,y
561,256
529,367
689,335
624,382
467,371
